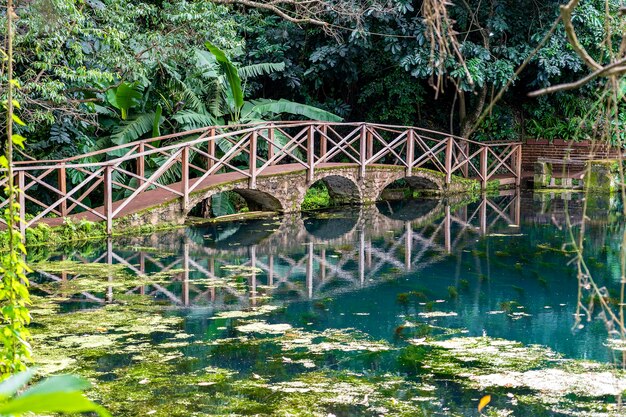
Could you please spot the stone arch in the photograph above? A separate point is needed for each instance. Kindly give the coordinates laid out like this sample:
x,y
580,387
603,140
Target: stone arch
x,y
259,200
343,187
340,224
419,180
409,210
256,199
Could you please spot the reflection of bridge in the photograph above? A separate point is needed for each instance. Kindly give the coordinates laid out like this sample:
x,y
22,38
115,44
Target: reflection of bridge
x,y
296,259
162,179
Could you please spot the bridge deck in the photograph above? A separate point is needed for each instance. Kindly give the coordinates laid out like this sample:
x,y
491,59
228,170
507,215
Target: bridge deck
x,y
158,196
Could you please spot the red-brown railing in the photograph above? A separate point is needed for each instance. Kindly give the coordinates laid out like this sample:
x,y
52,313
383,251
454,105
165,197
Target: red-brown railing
x,y
112,178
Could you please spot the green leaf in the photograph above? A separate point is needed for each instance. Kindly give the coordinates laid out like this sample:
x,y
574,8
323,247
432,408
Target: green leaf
x,y
221,205
232,76
134,129
4,162
59,383
17,120
156,131
264,68
52,402
11,385
18,140
193,120
263,107
207,63
124,97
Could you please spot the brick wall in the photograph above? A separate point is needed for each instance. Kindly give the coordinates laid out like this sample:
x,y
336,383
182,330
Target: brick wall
x,y
534,149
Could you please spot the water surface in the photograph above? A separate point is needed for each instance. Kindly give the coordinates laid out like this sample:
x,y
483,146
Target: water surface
x,y
358,303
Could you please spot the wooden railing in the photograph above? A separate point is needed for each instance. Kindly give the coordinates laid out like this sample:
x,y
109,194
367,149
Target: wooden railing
x,y
305,268
105,182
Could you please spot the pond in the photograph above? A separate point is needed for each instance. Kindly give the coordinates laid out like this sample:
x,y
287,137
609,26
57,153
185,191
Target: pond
x,y
418,307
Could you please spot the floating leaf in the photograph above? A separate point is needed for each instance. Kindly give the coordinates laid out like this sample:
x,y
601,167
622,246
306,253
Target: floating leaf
x,y
483,402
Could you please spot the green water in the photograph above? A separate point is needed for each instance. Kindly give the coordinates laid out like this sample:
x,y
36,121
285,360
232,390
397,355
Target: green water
x,y
403,308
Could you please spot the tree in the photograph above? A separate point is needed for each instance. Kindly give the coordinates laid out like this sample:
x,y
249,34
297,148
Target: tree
x,y
464,52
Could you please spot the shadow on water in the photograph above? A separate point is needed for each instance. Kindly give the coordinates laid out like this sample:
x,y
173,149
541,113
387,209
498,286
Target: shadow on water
x,y
326,298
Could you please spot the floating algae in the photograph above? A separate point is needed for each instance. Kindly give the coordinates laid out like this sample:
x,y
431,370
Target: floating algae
x,y
253,312
264,328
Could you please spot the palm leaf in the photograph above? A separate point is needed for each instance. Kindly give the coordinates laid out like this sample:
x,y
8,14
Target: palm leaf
x,y
207,63
193,120
156,124
264,68
221,204
264,107
230,71
191,99
131,130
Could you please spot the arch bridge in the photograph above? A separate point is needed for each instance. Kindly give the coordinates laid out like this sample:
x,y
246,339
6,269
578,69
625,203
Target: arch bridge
x,y
270,164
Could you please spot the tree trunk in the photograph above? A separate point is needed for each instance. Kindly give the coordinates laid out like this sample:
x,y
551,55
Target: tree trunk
x,y
468,122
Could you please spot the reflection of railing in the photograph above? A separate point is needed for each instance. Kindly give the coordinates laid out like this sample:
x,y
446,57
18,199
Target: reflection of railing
x,y
86,183
277,263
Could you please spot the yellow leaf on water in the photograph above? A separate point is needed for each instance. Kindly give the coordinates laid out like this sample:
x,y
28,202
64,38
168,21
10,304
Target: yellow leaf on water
x,y
483,402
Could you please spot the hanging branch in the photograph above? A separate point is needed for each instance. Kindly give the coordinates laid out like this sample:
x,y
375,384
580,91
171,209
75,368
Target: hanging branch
x,y
324,14
616,68
443,41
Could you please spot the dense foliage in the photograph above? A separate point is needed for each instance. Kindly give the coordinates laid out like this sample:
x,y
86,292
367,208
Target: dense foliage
x,y
99,72
385,74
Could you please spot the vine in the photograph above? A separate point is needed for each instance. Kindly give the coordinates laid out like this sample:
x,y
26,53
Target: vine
x,y
14,295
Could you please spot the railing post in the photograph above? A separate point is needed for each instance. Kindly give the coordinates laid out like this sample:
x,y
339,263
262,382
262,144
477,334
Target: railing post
x,y
323,141
410,152
363,150
482,213
110,277
449,150
211,150
270,144
483,167
361,257
309,269
370,144
408,245
253,289
518,166
141,164
253,142
21,182
447,230
310,153
108,198
185,176
62,178
186,268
